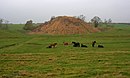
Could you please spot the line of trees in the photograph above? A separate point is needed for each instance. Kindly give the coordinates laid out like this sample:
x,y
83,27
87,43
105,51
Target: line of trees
x,y
96,21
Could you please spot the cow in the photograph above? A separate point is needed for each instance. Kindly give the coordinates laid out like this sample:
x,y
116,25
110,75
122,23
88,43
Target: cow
x,y
76,44
93,43
52,45
82,45
100,46
65,43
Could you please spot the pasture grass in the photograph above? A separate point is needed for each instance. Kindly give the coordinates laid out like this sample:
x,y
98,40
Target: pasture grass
x,y
29,57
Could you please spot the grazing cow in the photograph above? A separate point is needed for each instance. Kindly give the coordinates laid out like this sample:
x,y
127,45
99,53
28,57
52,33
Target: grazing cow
x,y
93,43
82,45
52,45
65,43
76,44
100,46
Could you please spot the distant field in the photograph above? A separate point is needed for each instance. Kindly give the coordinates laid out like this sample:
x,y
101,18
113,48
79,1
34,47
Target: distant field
x,y
24,56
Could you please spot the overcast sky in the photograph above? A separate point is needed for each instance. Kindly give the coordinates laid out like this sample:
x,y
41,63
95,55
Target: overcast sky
x,y
19,11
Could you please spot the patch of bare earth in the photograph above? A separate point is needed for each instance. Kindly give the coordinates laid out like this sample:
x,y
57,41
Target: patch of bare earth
x,y
64,25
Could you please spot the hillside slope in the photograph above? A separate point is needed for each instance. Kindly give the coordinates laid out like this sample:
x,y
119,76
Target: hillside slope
x,y
64,25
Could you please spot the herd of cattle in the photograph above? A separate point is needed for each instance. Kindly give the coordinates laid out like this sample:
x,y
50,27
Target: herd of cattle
x,y
75,44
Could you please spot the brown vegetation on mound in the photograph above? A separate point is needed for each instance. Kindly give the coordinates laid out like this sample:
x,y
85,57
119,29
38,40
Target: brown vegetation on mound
x,y
64,25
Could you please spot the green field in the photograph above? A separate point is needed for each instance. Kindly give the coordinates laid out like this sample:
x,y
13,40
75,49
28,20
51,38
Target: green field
x,y
26,56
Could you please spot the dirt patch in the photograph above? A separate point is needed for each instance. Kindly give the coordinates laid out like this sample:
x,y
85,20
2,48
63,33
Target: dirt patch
x,y
64,25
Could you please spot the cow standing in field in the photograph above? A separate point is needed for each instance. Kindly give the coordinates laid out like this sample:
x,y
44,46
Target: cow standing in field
x,y
93,43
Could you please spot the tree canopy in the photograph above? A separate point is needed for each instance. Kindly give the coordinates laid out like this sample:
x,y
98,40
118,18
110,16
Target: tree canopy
x,y
29,25
96,20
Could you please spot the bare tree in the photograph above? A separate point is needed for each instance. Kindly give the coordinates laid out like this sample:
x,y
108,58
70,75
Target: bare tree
x,y
105,21
29,25
1,22
96,20
82,17
109,21
53,17
6,24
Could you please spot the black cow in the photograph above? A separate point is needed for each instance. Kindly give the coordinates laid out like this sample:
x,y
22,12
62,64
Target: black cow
x,y
76,44
82,45
100,46
93,43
